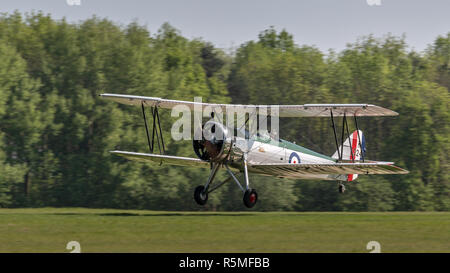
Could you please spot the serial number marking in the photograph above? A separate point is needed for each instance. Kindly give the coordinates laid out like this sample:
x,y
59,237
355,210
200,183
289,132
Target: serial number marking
x,y
246,262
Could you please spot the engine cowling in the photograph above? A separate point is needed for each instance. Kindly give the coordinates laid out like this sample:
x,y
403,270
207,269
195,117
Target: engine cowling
x,y
215,144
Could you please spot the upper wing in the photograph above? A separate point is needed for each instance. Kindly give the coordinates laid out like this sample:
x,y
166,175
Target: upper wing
x,y
167,159
305,110
298,170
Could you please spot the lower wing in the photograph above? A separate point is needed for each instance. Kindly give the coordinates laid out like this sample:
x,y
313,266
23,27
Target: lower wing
x,y
299,170
163,159
275,169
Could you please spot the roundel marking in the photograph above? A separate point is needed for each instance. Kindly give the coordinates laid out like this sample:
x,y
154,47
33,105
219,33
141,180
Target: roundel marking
x,y
294,158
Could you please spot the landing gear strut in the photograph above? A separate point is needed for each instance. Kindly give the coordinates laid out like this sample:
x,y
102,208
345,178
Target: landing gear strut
x,y
250,195
201,192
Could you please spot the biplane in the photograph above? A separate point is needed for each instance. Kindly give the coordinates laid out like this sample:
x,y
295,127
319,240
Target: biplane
x,y
262,153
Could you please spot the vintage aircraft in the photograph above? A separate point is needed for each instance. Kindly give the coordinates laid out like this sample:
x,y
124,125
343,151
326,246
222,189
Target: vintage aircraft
x,y
262,153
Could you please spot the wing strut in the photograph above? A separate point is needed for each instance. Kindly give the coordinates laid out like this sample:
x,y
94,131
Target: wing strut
x,y
156,130
348,136
359,139
344,129
335,134
150,147
342,137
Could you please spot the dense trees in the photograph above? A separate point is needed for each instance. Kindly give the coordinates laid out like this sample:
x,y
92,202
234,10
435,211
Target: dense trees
x,y
56,134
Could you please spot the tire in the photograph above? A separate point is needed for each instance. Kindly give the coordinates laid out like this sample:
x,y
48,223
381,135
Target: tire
x,y
250,198
341,188
200,197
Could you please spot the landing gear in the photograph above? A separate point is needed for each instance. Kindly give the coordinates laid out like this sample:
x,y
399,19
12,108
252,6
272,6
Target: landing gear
x,y
250,198
201,192
200,195
341,188
250,195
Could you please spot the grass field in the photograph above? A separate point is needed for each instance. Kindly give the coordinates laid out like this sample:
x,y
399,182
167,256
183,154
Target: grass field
x,y
106,230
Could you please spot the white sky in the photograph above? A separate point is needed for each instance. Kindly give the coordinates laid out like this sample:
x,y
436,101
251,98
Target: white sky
x,y
228,23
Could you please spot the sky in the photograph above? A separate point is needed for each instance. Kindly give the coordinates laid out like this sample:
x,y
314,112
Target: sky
x,y
326,24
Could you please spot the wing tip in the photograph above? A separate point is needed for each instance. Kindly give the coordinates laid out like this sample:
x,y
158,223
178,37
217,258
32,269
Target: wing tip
x,y
393,113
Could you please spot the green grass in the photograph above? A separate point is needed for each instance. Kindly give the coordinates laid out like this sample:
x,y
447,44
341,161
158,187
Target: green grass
x,y
107,230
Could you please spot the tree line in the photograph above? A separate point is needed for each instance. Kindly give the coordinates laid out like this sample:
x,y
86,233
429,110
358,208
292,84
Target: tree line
x,y
56,133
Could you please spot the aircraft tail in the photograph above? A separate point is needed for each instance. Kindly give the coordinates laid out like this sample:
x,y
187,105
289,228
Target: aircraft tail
x,y
352,150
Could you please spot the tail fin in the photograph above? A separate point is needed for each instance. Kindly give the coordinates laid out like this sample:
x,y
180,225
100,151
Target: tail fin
x,y
352,150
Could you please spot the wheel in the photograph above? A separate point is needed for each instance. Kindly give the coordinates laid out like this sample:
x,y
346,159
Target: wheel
x,y
250,198
341,188
200,196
